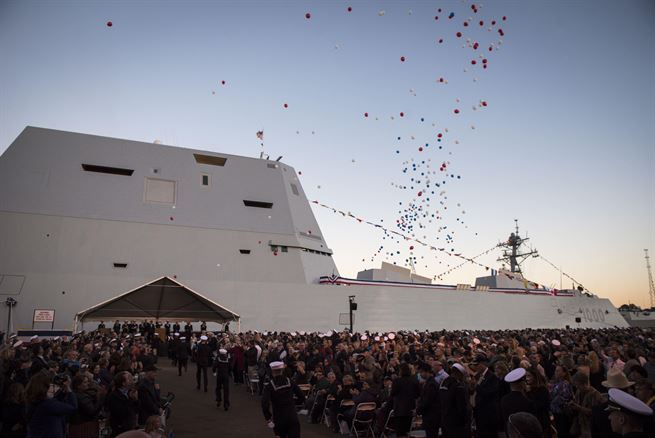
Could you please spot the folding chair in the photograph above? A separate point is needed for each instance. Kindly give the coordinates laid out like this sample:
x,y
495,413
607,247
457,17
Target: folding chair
x,y
326,415
363,419
388,431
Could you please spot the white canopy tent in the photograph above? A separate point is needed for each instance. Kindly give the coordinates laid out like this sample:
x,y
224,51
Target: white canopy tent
x,y
161,299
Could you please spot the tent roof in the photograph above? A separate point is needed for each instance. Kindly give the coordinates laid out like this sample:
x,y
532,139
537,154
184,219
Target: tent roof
x,y
163,298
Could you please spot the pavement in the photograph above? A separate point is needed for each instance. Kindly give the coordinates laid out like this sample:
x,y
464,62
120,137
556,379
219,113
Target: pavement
x,y
194,413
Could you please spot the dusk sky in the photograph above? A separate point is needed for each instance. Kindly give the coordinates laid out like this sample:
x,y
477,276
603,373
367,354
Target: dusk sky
x,y
562,136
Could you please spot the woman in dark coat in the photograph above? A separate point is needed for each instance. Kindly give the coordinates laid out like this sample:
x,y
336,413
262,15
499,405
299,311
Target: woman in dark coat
x,y
538,392
47,409
404,392
13,419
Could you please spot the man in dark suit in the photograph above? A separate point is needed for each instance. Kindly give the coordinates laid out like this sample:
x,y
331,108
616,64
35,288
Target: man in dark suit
x,y
149,398
404,391
429,406
515,401
203,360
486,411
182,355
455,412
122,404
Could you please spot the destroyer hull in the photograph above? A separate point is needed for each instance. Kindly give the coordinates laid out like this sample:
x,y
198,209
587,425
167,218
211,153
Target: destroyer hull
x,y
71,270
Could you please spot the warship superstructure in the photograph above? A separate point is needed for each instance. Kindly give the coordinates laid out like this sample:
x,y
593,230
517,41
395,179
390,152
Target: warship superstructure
x,y
84,218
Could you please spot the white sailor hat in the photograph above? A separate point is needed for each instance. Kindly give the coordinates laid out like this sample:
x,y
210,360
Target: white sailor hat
x,y
622,401
222,351
182,337
56,338
476,341
555,342
460,368
138,335
302,333
277,365
329,333
515,375
17,344
363,337
34,338
12,336
176,334
203,338
377,339
392,336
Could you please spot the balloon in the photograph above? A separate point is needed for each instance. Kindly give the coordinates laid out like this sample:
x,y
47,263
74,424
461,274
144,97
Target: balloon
x,y
402,114
456,111
381,13
308,15
459,34
473,62
440,40
402,59
286,105
451,15
350,8
222,82
365,114
110,24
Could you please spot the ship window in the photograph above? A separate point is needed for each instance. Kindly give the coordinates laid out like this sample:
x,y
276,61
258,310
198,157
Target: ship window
x,y
271,166
284,249
258,204
294,189
210,159
120,265
160,191
244,251
107,169
205,180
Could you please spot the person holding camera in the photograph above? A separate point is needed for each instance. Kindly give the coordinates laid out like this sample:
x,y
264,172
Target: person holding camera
x,y
90,398
123,404
49,401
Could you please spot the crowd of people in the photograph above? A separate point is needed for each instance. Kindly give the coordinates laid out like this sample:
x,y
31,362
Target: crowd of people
x,y
527,383
520,383
98,384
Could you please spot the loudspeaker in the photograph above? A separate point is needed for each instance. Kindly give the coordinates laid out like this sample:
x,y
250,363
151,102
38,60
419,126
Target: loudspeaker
x,y
578,319
353,306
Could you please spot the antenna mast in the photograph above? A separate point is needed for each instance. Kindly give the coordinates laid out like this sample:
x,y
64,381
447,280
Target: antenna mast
x,y
650,281
511,253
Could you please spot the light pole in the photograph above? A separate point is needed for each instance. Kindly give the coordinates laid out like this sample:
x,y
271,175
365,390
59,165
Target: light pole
x,y
352,306
10,302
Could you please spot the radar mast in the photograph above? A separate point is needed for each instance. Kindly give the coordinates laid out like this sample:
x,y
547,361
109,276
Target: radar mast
x,y
512,250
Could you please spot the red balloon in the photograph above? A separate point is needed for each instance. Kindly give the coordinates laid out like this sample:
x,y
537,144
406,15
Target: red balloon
x,y
456,111
500,31
484,103
440,40
459,34
172,218
411,247
440,135
286,105
484,61
473,62
402,59
110,24
466,24
350,8
402,114
491,48
420,149
504,18
475,46
481,23
308,15
365,114
222,82
493,23
440,79
436,17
